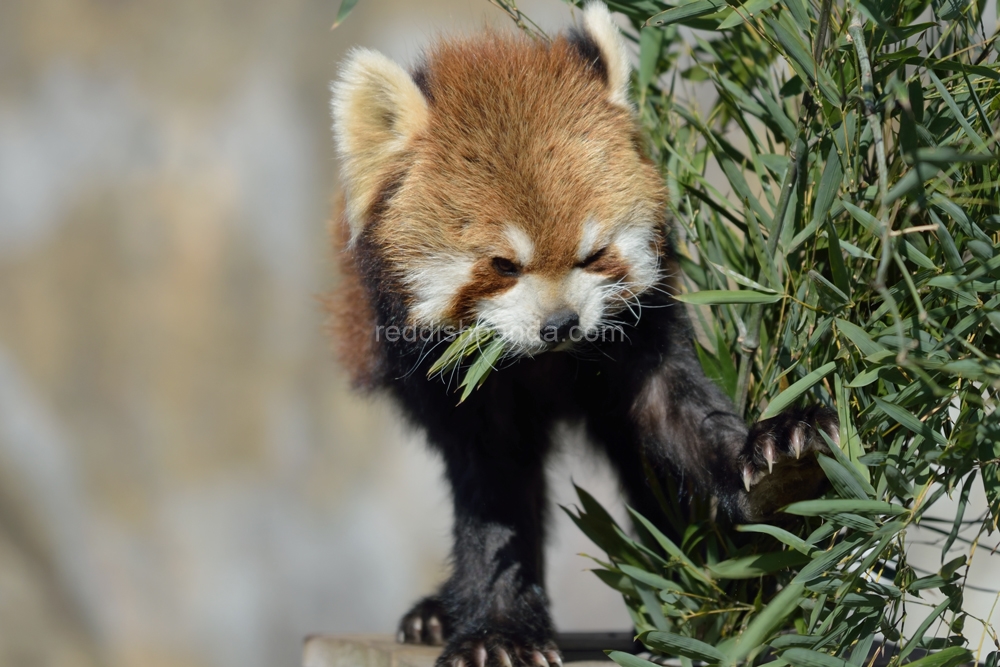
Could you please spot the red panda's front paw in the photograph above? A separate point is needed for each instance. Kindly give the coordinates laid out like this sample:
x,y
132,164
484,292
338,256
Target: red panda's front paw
x,y
778,465
425,623
499,650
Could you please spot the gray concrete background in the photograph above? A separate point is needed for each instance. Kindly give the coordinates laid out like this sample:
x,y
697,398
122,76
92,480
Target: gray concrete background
x,y
184,477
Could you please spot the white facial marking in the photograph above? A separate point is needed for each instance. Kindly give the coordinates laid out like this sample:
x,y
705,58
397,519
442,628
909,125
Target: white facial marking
x,y
519,313
524,248
588,240
585,294
434,286
636,245
516,314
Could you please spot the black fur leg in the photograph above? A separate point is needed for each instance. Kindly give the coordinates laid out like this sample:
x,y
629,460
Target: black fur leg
x,y
426,623
500,650
778,463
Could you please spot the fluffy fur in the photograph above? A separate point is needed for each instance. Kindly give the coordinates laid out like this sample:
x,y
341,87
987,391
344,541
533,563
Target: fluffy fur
x,y
503,182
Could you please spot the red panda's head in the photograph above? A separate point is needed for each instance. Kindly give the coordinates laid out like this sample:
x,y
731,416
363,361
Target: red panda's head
x,y
503,182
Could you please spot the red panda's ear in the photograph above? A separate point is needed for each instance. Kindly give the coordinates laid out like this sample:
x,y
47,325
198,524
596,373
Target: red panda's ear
x,y
377,110
601,29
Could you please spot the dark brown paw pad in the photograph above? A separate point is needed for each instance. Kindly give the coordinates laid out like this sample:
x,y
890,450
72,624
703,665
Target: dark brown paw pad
x,y
498,651
426,623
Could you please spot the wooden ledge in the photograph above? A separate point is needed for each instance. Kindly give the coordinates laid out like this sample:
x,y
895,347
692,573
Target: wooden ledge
x,y
383,651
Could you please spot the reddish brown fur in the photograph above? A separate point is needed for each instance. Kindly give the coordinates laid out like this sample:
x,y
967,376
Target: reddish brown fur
x,y
519,133
541,152
351,320
485,282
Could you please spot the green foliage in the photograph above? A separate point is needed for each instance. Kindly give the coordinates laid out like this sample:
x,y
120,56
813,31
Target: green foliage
x,y
479,344
853,260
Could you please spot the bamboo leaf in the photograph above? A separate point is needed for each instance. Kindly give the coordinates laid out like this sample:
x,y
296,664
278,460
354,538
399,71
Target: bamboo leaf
x,y
790,395
687,647
751,567
766,622
805,658
684,13
722,297
840,506
794,541
345,8
745,11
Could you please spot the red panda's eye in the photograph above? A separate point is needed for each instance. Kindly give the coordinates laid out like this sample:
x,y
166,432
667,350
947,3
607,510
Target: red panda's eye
x,y
505,267
593,258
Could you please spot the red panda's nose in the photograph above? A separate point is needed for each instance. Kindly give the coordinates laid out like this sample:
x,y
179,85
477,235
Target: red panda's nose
x,y
559,326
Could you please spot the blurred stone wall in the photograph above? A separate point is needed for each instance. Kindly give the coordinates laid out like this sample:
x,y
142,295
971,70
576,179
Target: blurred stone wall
x,y
184,477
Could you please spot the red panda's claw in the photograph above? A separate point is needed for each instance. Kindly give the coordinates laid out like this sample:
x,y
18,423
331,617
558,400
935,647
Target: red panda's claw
x,y
479,656
798,439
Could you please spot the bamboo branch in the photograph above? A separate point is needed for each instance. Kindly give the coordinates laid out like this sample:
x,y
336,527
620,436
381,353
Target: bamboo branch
x,y
751,341
856,32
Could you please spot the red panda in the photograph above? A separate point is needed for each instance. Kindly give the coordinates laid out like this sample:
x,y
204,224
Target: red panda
x,y
504,183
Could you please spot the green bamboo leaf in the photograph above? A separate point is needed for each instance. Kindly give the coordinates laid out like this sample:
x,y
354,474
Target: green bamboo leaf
x,y
345,8
654,608
869,221
629,660
687,647
917,636
794,541
958,214
768,268
837,267
859,337
778,116
864,378
766,622
829,289
854,251
854,521
907,250
801,60
824,560
949,657
790,641
685,12
843,481
481,367
829,184
649,578
840,506
904,418
977,140
650,46
617,581
751,567
790,395
467,342
745,11
721,297
668,545
946,156
743,280
852,464
911,180
963,502
801,657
